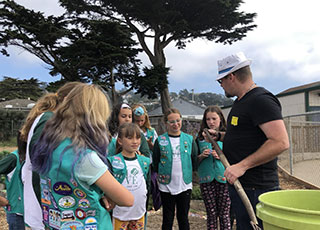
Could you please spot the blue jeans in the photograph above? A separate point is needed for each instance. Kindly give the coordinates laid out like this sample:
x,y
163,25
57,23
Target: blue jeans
x,y
15,221
242,216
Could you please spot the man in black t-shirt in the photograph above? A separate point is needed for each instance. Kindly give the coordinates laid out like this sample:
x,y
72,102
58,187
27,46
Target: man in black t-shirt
x,y
255,135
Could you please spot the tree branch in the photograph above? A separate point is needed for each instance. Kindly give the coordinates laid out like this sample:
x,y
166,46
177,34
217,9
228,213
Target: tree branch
x,y
141,37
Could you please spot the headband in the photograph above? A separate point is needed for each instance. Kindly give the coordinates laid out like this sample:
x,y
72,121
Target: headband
x,y
125,106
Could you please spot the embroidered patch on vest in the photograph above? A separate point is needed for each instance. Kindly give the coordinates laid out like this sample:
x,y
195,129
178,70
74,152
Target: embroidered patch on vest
x,y
91,220
72,225
67,202
54,218
117,163
62,188
67,215
80,214
84,203
45,213
164,142
79,193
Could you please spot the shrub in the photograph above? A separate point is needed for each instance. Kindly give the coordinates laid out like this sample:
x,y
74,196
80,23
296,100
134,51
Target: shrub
x,y
196,192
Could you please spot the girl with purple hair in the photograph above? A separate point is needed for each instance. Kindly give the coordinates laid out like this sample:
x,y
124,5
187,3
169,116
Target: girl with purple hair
x,y
70,158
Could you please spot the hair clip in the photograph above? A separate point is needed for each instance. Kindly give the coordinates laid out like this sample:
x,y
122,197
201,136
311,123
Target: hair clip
x,y
138,111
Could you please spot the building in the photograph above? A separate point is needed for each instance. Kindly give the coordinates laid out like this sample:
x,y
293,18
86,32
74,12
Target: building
x,y
187,109
297,100
17,104
301,99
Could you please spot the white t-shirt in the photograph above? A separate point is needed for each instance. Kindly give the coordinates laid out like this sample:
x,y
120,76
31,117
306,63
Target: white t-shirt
x,y
177,184
32,209
136,184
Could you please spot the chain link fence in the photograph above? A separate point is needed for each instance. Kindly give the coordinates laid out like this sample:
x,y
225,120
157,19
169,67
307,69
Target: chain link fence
x,y
9,129
302,159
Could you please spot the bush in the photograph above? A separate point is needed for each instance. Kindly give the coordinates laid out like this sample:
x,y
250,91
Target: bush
x,y
196,192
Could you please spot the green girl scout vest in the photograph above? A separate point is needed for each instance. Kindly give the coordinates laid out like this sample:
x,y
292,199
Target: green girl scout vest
x,y
165,163
150,133
15,189
119,167
210,168
112,147
65,203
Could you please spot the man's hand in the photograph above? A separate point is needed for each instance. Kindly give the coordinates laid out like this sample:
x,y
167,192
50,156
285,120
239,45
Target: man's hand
x,y
216,135
233,172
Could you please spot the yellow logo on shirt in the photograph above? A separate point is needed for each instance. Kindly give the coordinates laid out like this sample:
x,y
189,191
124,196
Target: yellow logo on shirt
x,y
234,121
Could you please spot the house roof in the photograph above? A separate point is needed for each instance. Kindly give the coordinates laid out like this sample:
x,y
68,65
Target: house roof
x,y
16,103
185,107
299,89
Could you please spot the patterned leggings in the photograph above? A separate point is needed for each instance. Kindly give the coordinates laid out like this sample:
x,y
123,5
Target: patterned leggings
x,y
217,201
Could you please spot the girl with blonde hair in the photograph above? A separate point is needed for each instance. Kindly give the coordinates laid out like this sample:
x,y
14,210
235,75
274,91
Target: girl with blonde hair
x,y
71,153
40,113
141,118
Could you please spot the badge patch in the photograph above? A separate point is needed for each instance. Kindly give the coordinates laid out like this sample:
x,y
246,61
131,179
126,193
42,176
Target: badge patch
x,y
80,214
45,196
62,188
54,218
91,227
79,193
91,212
117,163
164,142
45,213
67,215
84,203
234,121
73,225
91,220
67,202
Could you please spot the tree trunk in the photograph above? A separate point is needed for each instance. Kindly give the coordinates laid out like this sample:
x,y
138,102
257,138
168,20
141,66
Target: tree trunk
x,y
160,59
165,100
113,89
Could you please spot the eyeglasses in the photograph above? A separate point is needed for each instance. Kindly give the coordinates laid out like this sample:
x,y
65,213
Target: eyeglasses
x,y
174,121
220,80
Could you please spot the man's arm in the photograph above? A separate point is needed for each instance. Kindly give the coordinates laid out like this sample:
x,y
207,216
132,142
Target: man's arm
x,y
277,142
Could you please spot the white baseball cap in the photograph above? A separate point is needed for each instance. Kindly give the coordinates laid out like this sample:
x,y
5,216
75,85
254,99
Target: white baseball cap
x,y
231,63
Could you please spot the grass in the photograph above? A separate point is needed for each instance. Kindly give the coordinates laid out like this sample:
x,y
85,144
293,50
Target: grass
x,y
12,142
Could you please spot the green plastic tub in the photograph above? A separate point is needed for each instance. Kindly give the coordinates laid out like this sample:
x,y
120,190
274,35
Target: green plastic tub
x,y
290,209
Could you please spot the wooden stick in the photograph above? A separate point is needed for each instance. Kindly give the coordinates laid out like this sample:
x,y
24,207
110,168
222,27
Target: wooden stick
x,y
237,184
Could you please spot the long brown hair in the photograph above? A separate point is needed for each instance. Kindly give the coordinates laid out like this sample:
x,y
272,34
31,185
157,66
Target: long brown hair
x,y
127,130
213,109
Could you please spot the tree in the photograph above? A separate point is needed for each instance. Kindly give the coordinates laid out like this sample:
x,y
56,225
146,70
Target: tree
x,y
178,21
12,88
79,49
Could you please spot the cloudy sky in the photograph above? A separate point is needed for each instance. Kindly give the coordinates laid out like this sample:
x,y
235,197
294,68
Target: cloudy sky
x,y
284,48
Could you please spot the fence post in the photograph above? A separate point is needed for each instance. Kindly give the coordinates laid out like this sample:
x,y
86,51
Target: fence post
x,y
290,147
12,128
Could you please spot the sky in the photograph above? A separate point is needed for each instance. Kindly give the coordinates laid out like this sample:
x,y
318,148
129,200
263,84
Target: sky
x,y
284,48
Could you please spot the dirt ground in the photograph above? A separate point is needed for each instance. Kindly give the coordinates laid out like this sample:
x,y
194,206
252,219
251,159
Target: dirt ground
x,y
197,215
